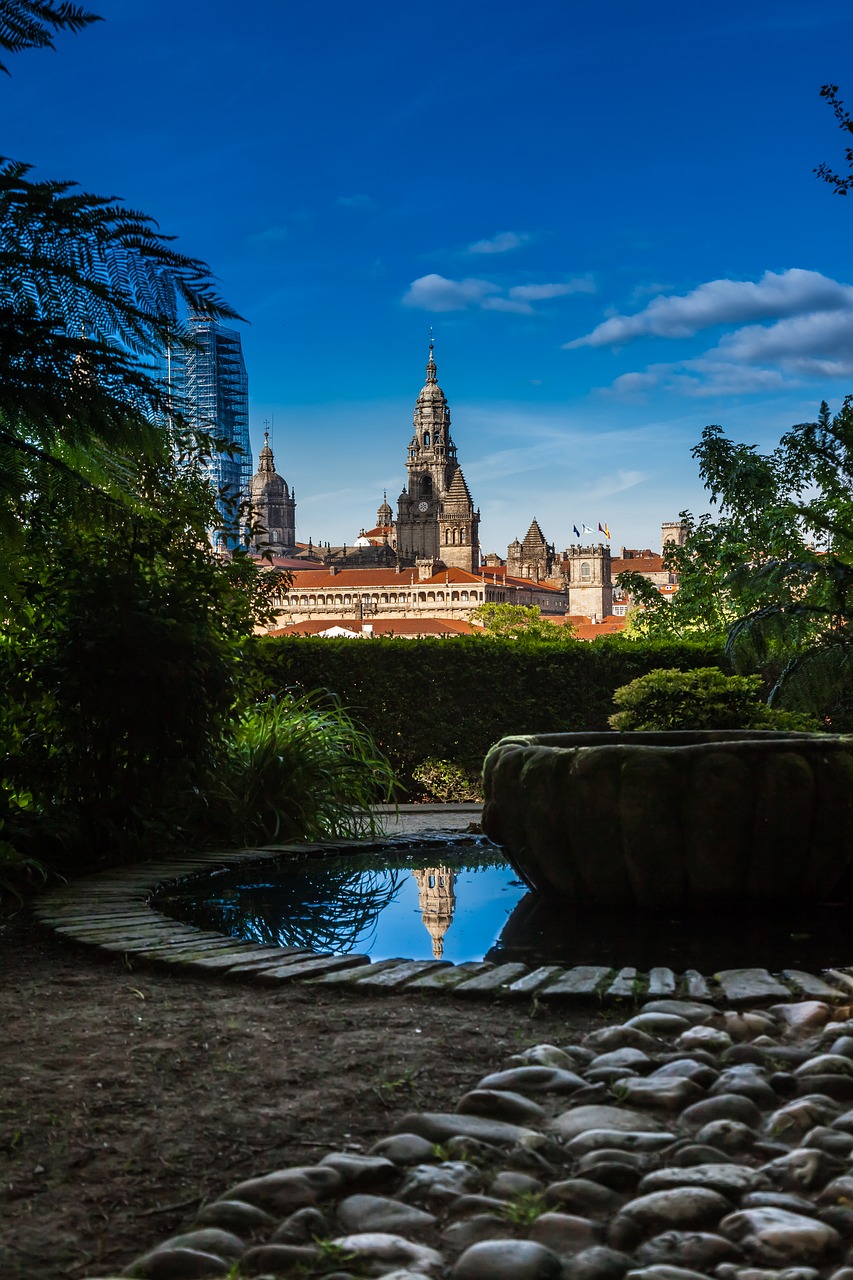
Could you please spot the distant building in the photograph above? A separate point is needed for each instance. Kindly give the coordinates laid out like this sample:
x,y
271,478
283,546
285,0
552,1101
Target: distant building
x,y
380,598
273,505
213,390
436,519
406,575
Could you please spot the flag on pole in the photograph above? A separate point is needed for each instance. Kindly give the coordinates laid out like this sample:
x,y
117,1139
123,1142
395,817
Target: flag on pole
x,y
587,529
576,531
602,528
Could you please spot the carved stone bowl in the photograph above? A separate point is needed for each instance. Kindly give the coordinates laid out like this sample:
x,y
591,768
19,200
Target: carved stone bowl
x,y
679,819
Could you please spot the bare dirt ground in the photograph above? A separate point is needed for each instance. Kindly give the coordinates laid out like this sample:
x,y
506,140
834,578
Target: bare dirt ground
x,y
129,1097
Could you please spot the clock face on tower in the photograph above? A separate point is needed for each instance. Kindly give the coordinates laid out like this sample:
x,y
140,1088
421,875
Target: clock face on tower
x,y
423,506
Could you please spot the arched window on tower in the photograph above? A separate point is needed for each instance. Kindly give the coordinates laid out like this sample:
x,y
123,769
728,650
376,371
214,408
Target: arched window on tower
x,y
426,439
586,571
426,486
462,535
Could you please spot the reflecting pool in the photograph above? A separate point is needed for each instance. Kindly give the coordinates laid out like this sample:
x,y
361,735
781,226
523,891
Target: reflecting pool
x,y
460,901
444,902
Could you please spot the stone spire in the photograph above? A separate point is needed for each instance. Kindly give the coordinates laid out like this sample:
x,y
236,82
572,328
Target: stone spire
x,y
266,461
437,901
431,442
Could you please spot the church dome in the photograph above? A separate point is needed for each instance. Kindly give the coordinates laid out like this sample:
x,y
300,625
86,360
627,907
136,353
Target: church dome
x,y
266,482
384,516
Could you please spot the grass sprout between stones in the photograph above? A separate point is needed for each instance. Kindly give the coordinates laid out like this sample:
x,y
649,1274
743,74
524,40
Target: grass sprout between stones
x,y
525,1208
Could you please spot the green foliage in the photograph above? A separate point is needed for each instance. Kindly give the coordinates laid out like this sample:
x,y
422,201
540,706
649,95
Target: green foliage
x,y
447,782
775,567
523,1209
120,666
30,24
840,182
122,631
451,700
293,767
704,698
520,622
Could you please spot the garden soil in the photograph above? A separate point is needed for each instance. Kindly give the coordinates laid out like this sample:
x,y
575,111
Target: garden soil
x,y
129,1097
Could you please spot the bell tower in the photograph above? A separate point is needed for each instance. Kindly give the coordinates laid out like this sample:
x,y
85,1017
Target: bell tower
x,y
435,515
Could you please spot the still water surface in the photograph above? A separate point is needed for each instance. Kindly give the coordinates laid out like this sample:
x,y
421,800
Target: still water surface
x,y
462,902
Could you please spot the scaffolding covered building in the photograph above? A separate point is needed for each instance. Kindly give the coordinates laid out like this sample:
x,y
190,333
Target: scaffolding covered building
x,y
215,398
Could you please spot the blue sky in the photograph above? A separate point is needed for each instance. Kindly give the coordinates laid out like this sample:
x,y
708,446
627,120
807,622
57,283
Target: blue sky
x,y
606,210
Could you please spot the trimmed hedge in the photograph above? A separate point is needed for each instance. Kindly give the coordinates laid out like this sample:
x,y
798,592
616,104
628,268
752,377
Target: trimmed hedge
x,y
452,699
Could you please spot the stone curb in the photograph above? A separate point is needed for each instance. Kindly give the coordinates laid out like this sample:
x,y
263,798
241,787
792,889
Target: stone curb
x,y
110,912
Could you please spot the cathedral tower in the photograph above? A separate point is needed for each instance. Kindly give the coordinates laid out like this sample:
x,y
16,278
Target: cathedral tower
x,y
436,519
272,505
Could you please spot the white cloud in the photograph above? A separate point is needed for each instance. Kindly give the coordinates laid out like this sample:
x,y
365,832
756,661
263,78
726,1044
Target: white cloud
x,y
720,302
810,336
799,343
438,293
502,243
539,292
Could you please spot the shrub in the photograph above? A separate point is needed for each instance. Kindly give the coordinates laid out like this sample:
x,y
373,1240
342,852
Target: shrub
x,y
447,782
700,699
294,767
452,699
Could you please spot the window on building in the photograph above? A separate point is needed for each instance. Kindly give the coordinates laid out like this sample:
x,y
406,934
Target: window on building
x,y
586,571
426,439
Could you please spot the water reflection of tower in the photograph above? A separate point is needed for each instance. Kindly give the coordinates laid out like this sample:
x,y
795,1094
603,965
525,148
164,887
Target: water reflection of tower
x,y
437,900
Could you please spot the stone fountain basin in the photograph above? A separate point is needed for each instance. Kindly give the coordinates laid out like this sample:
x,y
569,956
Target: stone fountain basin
x,y
684,819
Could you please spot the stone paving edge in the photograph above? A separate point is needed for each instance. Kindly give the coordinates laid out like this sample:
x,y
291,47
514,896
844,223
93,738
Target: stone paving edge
x,y
111,912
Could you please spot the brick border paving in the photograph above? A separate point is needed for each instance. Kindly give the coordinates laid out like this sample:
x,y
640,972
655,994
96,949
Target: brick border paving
x,y
110,912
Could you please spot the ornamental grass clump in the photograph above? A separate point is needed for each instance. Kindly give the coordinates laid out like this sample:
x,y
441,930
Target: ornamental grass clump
x,y
700,699
296,767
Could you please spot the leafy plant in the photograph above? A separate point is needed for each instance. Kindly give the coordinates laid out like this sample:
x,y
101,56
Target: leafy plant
x,y
295,767
447,782
699,699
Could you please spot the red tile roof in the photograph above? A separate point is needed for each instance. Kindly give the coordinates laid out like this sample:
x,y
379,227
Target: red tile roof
x,y
381,627
323,579
586,629
637,564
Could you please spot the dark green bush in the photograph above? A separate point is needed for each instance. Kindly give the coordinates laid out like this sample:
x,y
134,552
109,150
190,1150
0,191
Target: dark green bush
x,y
452,699
704,698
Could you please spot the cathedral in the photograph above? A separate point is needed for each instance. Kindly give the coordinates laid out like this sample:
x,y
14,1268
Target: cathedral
x,y
435,515
426,560
436,520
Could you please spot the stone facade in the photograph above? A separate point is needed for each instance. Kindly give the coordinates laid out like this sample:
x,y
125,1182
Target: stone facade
x,y
533,558
435,515
588,579
427,589
273,505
